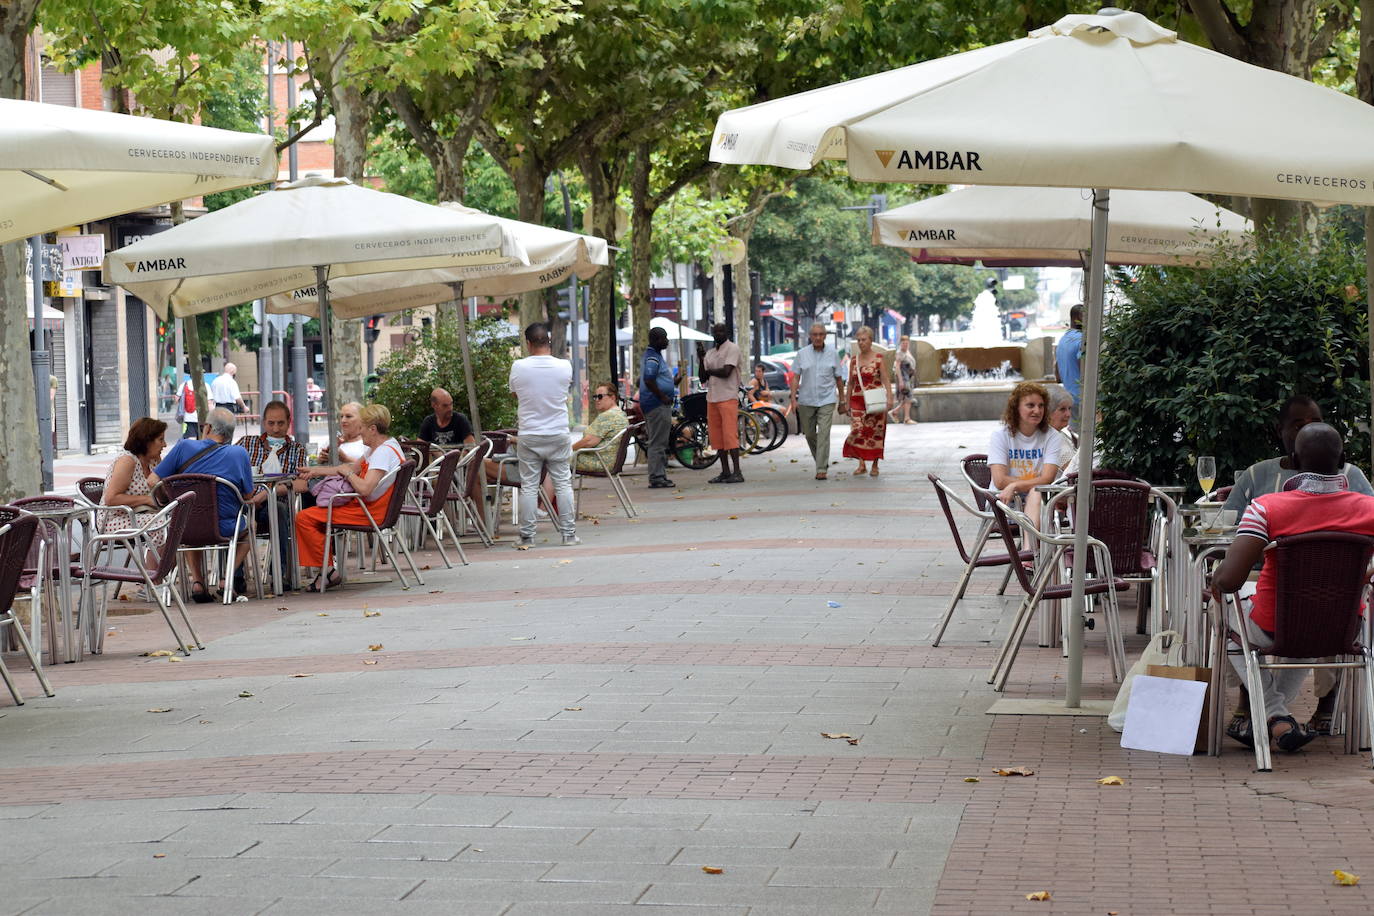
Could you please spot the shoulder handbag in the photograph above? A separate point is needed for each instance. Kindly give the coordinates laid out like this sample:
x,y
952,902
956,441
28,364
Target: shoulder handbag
x,y
214,447
875,399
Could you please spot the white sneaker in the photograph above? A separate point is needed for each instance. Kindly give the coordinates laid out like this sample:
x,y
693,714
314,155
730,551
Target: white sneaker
x,y
523,543
571,540
540,515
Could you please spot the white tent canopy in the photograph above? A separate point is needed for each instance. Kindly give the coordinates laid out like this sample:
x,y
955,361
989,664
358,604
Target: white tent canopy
x,y
1041,227
60,166
272,244
677,331
1153,113
554,256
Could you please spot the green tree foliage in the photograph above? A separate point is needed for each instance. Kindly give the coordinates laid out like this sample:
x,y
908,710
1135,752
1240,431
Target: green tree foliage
x,y
436,360
945,291
1198,361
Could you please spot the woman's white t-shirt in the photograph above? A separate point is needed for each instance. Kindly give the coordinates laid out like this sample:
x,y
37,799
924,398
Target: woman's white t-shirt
x,y
386,458
1025,457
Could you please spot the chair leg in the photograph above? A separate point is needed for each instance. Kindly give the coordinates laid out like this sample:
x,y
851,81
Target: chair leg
x,y
954,601
1020,625
1365,721
444,524
1006,580
9,681
409,559
428,530
181,608
1259,712
27,647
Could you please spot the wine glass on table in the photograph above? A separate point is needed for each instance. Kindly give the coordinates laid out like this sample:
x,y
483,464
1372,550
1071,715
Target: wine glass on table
x,y
1207,477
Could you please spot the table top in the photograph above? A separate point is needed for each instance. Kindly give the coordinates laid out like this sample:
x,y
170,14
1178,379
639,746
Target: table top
x,y
1209,538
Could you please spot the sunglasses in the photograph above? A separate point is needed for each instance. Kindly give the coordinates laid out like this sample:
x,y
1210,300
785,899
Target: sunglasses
x,y
600,396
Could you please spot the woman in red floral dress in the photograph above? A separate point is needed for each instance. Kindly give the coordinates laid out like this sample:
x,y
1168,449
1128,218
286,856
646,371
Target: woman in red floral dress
x,y
867,431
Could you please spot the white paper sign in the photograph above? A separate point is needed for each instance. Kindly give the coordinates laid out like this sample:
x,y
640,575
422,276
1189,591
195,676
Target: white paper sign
x,y
1163,715
82,252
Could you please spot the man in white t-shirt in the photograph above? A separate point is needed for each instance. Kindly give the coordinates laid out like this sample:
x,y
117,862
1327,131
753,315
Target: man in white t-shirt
x,y
224,390
540,382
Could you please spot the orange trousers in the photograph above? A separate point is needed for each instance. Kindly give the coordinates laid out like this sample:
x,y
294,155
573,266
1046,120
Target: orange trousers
x,y
310,525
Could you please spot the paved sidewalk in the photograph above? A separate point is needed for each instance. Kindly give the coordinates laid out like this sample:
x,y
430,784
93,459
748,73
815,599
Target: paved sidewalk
x,y
587,730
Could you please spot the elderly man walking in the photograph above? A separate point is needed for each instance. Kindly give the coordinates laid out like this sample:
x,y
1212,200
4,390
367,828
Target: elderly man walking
x,y
540,382
817,385
224,390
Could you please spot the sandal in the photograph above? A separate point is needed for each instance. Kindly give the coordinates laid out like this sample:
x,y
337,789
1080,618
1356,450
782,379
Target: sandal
x,y
1320,723
332,582
1292,740
861,471
820,475
873,471
199,593
1239,730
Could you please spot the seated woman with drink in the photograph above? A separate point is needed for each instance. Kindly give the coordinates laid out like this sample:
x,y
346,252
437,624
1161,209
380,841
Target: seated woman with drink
x,y
382,454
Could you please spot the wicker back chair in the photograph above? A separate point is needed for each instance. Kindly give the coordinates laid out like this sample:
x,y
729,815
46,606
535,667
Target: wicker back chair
x,y
383,527
201,532
612,471
16,537
431,492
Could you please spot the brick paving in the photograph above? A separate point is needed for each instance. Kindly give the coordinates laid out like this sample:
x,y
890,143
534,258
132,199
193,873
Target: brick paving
x,y
581,730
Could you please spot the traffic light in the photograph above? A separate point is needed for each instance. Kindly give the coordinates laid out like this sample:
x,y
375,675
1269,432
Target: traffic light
x,y
372,329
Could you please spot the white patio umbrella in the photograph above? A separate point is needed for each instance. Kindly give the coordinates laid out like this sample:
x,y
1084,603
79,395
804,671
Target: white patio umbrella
x,y
60,166
303,232
554,255
1052,227
678,331
1152,113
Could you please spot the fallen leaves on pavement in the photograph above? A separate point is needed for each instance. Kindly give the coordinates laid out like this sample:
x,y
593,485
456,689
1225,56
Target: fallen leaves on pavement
x,y
161,709
244,694
713,869
1345,878
370,661
972,779
375,647
836,735
299,674
1015,771
1111,781
160,653
1039,895
572,708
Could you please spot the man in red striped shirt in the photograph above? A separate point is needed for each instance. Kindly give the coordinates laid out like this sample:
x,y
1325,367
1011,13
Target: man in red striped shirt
x,y
1316,499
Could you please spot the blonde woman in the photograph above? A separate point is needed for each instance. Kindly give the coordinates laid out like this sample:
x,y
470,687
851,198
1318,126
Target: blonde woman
x,y
382,456
867,431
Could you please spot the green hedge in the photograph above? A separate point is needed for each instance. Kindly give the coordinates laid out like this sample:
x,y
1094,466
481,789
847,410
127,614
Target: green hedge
x,y
1197,361
435,360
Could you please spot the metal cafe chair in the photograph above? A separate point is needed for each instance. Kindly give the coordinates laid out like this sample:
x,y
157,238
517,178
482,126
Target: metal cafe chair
x,y
611,472
1037,588
170,523
202,533
384,528
16,537
1321,580
430,494
470,475
974,557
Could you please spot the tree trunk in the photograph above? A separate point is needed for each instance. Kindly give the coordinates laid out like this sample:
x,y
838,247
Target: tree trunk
x,y
641,252
603,183
20,464
743,332
352,111
529,179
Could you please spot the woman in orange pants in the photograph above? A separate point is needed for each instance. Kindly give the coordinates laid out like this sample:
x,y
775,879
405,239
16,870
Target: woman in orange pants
x,y
383,456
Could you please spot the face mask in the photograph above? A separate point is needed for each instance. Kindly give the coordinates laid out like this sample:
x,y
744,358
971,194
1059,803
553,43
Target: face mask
x,y
275,443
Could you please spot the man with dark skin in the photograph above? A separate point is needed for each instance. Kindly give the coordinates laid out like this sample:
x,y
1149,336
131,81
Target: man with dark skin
x,y
720,374
1318,498
656,400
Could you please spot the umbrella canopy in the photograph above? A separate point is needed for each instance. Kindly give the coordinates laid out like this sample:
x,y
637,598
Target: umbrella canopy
x,y
1048,227
274,242
303,232
679,332
1159,114
554,255
60,166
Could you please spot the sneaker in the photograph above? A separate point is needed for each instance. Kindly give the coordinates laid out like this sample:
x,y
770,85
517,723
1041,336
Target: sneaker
x,y
661,484
540,515
736,477
523,543
571,540
722,477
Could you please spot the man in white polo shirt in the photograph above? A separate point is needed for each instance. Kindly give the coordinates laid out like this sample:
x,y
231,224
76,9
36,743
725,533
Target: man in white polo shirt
x,y
224,390
540,382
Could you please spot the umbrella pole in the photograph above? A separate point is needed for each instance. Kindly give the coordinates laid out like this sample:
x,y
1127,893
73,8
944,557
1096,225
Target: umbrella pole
x,y
468,378
42,371
1087,432
330,381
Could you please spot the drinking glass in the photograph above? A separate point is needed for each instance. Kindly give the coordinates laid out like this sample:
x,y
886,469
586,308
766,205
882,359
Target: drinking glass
x,y
1206,474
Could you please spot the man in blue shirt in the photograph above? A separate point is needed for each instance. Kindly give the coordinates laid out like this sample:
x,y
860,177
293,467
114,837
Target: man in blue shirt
x,y
817,386
213,455
1068,357
656,400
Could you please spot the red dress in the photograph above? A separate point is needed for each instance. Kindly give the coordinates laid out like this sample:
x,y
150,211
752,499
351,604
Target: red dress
x,y
866,438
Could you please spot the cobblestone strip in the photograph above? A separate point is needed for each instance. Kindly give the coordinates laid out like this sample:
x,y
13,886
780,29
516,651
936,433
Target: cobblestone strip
x,y
727,654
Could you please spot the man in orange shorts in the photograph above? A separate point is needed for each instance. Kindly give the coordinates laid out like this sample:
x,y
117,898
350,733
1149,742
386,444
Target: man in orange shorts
x,y
720,373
